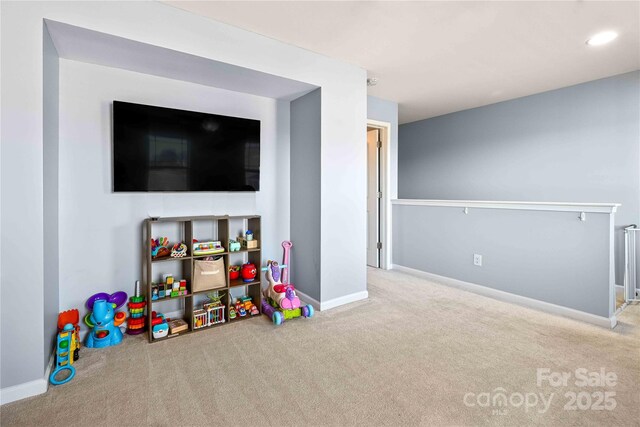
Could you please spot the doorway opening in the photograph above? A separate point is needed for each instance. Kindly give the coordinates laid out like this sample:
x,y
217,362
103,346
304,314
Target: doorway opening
x,y
377,193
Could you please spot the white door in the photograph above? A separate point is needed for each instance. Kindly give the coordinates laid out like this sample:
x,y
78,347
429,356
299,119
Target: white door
x,y
373,201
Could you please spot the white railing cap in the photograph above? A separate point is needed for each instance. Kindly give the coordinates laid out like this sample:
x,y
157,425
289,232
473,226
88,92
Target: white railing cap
x,y
527,206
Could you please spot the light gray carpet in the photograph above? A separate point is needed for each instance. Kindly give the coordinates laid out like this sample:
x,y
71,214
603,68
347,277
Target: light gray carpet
x,y
408,355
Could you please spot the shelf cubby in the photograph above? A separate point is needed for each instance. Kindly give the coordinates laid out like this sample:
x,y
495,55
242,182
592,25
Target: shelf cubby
x,y
203,228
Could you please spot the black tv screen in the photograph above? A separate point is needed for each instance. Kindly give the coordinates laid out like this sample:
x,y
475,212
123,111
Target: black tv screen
x,y
162,149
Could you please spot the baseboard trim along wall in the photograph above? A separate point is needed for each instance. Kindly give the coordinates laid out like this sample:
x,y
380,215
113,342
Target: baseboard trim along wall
x,y
28,389
512,298
332,303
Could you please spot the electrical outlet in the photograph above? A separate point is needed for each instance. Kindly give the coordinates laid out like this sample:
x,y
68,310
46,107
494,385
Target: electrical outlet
x,y
477,260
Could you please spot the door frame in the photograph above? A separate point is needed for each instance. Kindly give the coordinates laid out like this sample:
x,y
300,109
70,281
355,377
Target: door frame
x,y
385,187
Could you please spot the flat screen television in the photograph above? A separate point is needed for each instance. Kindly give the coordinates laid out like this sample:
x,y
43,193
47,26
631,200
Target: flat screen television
x,y
163,149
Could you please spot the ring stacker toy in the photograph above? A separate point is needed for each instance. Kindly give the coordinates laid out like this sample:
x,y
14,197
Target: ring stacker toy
x,y
136,324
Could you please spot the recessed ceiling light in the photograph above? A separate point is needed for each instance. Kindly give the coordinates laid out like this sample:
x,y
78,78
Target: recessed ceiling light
x,y
602,38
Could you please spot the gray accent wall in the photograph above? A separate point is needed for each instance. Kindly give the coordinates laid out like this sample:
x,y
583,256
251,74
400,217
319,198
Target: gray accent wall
x,y
305,154
576,144
544,255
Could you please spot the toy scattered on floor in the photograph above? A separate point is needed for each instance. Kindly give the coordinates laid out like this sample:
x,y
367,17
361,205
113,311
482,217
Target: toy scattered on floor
x,y
71,317
116,299
234,246
249,272
207,248
67,346
232,313
136,324
280,302
160,248
179,250
65,351
105,320
234,272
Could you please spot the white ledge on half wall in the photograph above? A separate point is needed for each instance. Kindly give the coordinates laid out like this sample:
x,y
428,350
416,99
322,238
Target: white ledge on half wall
x,y
608,208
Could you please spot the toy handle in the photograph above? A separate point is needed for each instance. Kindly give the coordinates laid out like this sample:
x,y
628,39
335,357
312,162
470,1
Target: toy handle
x,y
285,271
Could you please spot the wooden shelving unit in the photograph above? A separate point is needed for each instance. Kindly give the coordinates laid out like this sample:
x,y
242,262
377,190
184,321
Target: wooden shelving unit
x,y
223,226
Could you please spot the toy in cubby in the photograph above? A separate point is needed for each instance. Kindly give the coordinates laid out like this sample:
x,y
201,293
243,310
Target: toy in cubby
x,y
207,248
234,272
169,287
234,246
281,302
248,272
247,241
212,312
160,248
244,305
136,324
179,250
159,325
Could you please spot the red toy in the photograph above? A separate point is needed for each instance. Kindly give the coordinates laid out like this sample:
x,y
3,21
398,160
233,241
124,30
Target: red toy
x,y
249,272
234,272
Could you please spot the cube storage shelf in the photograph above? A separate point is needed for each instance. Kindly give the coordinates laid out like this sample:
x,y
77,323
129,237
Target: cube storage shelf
x,y
223,226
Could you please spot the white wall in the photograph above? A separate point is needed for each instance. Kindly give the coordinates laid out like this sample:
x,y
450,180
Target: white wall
x,y
51,149
387,111
100,231
343,152
22,193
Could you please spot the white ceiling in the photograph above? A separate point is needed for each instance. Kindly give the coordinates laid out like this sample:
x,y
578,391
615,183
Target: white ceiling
x,y
435,58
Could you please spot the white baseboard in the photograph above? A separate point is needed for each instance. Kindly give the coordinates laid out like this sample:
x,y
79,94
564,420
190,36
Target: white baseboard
x,y
513,298
28,389
24,390
332,303
306,298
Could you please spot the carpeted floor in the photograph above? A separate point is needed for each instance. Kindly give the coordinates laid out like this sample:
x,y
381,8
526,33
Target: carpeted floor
x,y
413,353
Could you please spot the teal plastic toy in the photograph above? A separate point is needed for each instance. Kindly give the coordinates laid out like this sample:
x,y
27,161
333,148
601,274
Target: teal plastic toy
x,y
104,332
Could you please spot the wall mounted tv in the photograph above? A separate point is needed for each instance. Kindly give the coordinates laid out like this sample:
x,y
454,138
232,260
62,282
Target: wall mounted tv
x,y
162,149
